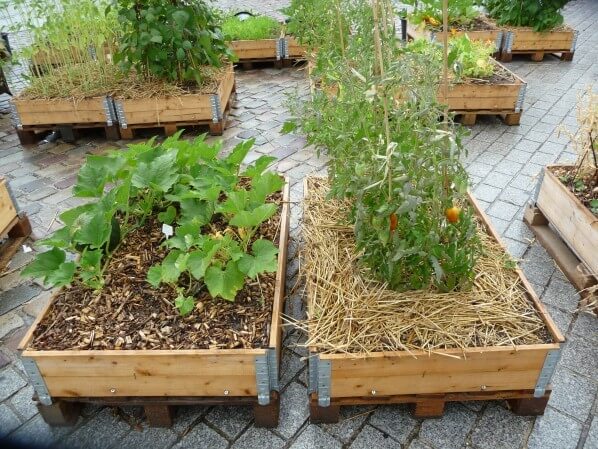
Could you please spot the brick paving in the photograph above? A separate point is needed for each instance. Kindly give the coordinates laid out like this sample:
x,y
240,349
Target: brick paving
x,y
503,162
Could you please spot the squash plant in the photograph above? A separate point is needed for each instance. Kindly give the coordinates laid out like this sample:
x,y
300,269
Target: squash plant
x,y
188,188
542,15
169,40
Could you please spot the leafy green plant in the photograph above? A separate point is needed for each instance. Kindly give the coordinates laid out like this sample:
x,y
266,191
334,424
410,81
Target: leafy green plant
x,y
169,40
460,12
251,28
185,185
542,15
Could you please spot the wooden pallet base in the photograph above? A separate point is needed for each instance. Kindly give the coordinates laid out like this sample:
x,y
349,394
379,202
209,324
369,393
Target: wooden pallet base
x,y
537,56
521,402
469,118
159,411
567,261
19,231
30,135
168,129
250,64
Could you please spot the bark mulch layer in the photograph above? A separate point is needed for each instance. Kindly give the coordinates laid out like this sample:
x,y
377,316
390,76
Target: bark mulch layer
x,y
130,314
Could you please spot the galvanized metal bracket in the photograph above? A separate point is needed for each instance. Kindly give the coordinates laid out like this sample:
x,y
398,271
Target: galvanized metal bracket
x,y
510,36
37,381
521,98
538,187
120,113
574,41
280,48
498,41
285,48
109,111
91,51
319,379
552,359
12,196
15,117
433,36
216,108
266,375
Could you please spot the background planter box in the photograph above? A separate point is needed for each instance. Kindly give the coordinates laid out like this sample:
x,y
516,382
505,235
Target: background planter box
x,y
526,41
495,36
520,374
574,246
472,99
14,227
172,112
160,378
257,50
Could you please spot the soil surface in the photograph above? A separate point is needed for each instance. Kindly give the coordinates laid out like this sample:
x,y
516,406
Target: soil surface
x,y
128,313
586,190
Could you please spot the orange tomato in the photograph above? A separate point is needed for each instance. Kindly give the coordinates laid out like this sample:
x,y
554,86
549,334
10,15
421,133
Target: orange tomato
x,y
452,214
393,222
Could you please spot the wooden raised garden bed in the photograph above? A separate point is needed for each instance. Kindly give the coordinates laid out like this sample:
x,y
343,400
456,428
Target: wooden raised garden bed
x,y
14,227
158,379
170,113
566,229
518,373
32,118
261,50
528,42
293,50
503,98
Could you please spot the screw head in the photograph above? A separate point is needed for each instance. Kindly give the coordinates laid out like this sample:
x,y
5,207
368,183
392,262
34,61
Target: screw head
x,y
374,392
483,387
226,392
113,390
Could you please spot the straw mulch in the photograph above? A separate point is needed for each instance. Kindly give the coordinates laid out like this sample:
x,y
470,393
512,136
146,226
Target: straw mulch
x,y
353,314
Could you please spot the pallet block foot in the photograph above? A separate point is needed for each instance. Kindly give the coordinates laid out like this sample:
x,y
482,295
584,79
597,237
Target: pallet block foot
x,y
506,57
216,128
158,415
428,409
537,56
278,64
22,228
468,119
60,413
529,407
27,137
126,133
323,415
512,119
567,56
112,132
247,65
534,216
267,415
169,130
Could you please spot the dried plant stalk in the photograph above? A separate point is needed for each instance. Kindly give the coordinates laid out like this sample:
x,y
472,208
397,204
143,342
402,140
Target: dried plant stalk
x,y
348,312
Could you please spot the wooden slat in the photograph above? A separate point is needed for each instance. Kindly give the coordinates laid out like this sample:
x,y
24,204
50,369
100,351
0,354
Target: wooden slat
x,y
257,49
296,50
475,35
527,40
42,112
8,212
574,222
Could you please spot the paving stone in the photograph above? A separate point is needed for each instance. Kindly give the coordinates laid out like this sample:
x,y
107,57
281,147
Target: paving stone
x,y
486,192
450,431
572,393
419,444
586,326
562,295
4,360
94,432
23,403
9,322
561,318
256,438
538,273
10,383
294,410
592,439
148,437
520,231
230,420
290,365
580,355
554,430
395,421
313,437
202,436
8,421
351,420
186,417
500,429
370,438
37,434
19,295
503,210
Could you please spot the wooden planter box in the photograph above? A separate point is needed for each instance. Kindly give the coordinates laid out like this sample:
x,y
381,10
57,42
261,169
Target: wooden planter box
x,y
14,227
470,100
33,116
293,49
574,246
173,112
526,41
495,35
8,211
43,59
257,50
428,380
157,379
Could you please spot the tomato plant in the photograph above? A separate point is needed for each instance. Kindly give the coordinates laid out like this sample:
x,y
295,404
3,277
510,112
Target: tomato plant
x,y
542,15
186,186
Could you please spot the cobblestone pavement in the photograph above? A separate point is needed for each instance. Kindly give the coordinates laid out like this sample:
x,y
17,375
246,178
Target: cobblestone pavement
x,y
503,162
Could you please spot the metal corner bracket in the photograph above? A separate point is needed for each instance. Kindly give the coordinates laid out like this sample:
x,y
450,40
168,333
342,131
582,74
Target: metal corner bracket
x,y
15,117
266,375
280,48
509,37
498,41
574,41
109,111
552,358
285,48
216,108
119,111
521,98
319,379
37,381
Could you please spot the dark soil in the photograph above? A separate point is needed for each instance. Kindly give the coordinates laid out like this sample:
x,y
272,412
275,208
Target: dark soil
x,y
586,191
129,314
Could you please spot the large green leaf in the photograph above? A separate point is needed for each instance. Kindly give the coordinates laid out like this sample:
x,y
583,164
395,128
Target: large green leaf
x,y
240,152
95,173
265,185
258,166
44,264
263,259
224,283
255,217
63,275
92,228
184,304
160,174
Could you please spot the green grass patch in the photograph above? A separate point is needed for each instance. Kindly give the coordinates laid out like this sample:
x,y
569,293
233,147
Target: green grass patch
x,y
252,28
